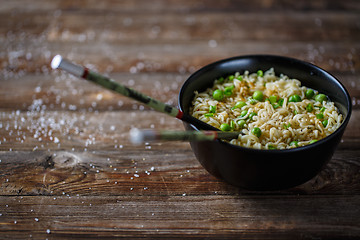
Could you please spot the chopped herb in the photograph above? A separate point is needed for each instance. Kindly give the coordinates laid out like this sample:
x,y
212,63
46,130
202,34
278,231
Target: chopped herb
x,y
286,126
228,90
325,122
294,143
271,147
319,116
309,107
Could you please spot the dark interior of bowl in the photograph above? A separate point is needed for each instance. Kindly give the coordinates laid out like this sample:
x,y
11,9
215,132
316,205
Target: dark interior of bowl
x,y
266,169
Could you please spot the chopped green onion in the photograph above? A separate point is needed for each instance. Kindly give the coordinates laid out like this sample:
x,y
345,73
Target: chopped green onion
x,y
232,124
231,77
240,78
286,126
209,114
294,143
271,147
275,105
319,116
281,101
313,141
212,109
325,122
309,107
228,90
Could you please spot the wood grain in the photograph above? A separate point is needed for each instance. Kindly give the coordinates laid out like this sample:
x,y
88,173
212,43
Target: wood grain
x,y
67,167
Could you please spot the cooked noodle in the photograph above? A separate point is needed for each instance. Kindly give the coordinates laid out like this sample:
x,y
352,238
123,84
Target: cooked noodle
x,y
283,122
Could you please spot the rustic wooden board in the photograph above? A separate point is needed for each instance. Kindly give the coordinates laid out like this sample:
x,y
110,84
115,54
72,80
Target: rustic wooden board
x,y
212,216
67,167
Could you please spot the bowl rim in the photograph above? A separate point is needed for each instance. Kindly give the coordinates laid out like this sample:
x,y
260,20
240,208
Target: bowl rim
x,y
285,58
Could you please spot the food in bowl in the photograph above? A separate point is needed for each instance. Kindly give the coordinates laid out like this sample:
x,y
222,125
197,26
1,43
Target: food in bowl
x,y
271,112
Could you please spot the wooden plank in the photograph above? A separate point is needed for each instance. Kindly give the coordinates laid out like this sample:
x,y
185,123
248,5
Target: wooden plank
x,y
183,6
80,26
215,216
167,57
61,91
138,171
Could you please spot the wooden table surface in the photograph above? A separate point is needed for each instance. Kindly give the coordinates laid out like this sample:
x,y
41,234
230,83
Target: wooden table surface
x,y
67,168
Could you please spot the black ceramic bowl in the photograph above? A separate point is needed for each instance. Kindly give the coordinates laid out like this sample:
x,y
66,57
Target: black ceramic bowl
x,y
266,169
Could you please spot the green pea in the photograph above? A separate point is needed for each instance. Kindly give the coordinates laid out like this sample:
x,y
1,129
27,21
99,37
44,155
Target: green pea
x,y
231,77
256,131
294,143
309,107
212,109
325,122
221,80
319,116
241,123
243,113
240,78
239,104
295,98
281,101
320,97
309,93
272,99
225,127
258,95
218,95
260,73
313,141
